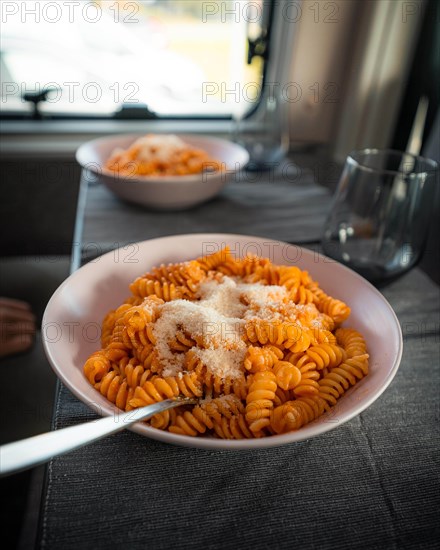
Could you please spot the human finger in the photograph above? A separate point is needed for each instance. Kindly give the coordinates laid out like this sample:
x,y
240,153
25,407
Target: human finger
x,y
15,344
12,303
13,314
17,327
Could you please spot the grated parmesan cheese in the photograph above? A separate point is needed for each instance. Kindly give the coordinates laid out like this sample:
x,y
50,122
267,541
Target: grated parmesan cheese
x,y
222,362
215,323
159,147
211,330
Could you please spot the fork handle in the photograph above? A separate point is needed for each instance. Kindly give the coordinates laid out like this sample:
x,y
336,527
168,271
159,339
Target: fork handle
x,y
30,452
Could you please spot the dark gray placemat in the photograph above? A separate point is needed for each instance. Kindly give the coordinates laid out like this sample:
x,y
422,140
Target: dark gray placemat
x,y
371,483
285,205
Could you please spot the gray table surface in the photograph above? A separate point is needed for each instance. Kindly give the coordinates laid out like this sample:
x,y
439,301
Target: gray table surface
x,y
371,483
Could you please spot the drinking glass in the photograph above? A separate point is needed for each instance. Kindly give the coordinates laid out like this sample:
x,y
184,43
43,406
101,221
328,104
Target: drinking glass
x,y
379,219
265,134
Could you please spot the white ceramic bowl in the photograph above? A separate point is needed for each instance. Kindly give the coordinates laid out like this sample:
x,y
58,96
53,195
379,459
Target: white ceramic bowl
x,y
72,320
165,192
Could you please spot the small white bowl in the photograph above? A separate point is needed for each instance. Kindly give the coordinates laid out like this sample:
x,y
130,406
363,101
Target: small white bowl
x,y
73,317
164,192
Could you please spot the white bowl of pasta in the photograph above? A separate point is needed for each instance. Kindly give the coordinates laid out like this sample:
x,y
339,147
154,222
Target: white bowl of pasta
x,y
162,172
275,350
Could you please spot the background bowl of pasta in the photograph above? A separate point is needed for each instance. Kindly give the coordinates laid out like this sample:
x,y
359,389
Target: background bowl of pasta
x,y
72,338
162,172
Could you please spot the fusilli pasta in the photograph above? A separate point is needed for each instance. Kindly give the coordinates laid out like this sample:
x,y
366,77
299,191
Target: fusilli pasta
x,y
160,155
259,346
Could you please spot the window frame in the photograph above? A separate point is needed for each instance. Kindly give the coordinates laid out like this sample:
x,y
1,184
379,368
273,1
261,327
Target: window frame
x,y
61,137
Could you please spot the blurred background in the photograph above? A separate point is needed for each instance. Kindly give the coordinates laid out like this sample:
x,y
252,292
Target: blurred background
x,y
350,75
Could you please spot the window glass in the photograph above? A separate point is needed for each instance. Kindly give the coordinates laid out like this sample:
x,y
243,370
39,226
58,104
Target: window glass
x,y
98,58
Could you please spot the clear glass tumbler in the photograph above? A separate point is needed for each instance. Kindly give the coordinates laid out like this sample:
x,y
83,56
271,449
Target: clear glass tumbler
x,y
265,134
379,219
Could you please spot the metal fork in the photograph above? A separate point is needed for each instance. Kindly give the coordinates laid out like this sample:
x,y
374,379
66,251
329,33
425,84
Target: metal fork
x,y
30,452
